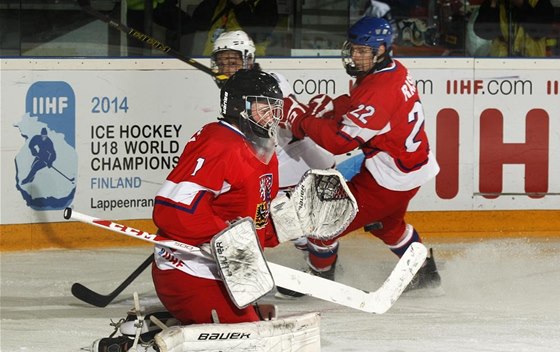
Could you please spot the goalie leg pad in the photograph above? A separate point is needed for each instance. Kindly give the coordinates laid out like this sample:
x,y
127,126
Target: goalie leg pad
x,y
294,333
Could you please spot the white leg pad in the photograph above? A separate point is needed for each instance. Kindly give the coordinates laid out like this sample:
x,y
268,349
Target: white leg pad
x,y
299,333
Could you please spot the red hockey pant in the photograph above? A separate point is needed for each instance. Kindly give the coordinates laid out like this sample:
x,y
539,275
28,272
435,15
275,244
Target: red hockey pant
x,y
191,299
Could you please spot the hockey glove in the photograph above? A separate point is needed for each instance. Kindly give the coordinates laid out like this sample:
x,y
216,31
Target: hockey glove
x,y
294,113
321,206
321,106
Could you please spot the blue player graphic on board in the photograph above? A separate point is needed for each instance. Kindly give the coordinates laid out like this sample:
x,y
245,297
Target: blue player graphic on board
x,y
47,164
42,149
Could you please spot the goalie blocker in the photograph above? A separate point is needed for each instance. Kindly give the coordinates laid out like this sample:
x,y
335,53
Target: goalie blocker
x,y
241,263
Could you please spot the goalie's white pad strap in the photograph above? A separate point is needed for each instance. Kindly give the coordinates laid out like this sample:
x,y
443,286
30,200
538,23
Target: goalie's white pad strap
x,y
324,204
241,263
285,218
296,333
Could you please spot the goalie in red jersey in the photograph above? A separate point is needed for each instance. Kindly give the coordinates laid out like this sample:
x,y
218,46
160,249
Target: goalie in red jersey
x,y
216,211
227,170
382,116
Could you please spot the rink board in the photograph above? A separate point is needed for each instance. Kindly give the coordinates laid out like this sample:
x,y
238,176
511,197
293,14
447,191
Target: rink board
x,y
119,126
433,226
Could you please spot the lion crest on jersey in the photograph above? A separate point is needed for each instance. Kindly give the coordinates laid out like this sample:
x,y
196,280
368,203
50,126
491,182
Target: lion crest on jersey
x,y
263,208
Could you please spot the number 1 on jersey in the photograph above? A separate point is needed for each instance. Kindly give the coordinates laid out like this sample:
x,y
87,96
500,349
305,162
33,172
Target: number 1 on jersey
x,y
199,163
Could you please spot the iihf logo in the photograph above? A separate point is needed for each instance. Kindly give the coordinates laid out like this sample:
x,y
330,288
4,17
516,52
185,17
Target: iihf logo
x,y
46,165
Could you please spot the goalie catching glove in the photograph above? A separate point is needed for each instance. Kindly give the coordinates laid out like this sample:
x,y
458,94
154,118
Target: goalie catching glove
x,y
321,206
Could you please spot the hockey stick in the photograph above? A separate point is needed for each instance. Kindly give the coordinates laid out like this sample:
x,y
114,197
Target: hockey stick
x,y
154,43
378,301
63,175
96,299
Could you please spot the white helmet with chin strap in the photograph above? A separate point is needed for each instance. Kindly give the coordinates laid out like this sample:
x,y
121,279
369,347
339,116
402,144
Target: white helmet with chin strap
x,y
237,41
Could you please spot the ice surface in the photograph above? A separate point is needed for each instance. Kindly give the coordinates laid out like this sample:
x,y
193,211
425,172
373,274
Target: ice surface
x,y
497,295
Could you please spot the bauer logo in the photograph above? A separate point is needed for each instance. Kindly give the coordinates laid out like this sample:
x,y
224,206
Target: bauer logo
x,y
46,165
224,336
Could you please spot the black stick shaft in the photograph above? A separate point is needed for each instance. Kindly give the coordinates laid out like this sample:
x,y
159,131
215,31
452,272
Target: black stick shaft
x,y
154,43
96,299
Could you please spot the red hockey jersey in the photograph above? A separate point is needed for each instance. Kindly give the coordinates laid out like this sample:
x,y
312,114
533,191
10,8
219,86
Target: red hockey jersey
x,y
217,179
384,117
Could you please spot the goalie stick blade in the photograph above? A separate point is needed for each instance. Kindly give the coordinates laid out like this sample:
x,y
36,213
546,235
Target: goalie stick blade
x,y
377,302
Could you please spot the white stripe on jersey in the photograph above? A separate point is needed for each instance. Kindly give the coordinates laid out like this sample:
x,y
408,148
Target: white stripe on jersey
x,y
363,133
407,235
385,171
197,264
184,192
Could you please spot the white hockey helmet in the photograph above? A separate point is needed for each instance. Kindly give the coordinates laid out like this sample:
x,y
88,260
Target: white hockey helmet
x,y
236,41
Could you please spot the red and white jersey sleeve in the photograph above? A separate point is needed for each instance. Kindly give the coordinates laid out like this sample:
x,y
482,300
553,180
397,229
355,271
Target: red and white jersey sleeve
x,y
385,119
217,179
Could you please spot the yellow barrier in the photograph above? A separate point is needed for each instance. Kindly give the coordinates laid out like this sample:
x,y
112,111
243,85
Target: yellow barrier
x,y
433,226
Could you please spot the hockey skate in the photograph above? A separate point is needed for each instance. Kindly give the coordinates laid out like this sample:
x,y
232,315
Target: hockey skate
x,y
137,330
427,276
129,327
112,344
284,293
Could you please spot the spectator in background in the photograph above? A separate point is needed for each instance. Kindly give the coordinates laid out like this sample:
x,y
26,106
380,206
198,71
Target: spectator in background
x,y
381,10
377,9
516,27
257,18
165,13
